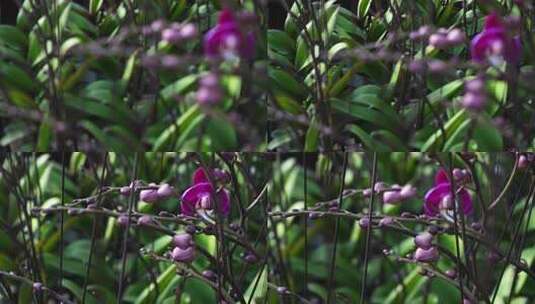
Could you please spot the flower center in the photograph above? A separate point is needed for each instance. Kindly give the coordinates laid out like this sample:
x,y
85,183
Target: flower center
x,y
446,203
204,202
229,47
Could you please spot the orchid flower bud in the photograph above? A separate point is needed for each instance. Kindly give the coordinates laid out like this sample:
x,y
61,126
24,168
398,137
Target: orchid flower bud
x,y
424,240
391,197
125,190
122,220
144,220
148,195
386,221
408,191
183,240
426,255
164,191
183,255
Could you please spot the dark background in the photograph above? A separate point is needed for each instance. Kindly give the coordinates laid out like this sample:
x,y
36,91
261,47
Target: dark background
x,y
9,10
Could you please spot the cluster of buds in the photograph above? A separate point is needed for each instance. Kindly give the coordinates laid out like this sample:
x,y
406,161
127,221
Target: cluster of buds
x,y
475,96
172,33
425,251
444,38
433,66
210,91
154,194
441,38
393,194
178,33
184,250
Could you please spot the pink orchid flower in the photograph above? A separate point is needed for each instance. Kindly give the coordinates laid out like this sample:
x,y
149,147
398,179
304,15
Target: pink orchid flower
x,y
202,196
439,197
227,40
494,41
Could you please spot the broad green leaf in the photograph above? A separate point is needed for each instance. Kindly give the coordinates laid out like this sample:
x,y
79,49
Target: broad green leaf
x,y
257,290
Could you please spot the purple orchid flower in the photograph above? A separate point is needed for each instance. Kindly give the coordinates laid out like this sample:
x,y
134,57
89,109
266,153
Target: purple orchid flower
x,y
439,197
495,40
201,196
227,40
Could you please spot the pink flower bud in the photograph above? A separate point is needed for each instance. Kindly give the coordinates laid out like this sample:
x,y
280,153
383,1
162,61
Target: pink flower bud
x,y
122,220
251,258
364,222
210,80
438,41
367,192
426,255
408,191
437,66
170,61
183,255
207,96
386,221
149,195
379,186
424,240
165,191
451,273
157,25
183,240
210,275
474,102
37,286
188,31
522,162
455,36
144,220
391,197
417,66
476,85
171,35
125,190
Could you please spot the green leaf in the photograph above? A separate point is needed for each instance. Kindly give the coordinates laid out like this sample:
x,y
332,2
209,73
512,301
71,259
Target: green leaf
x,y
94,6
449,128
487,137
365,113
179,87
186,119
77,292
222,134
258,287
12,37
312,137
281,42
45,135
288,104
110,142
368,141
285,82
363,8
148,294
